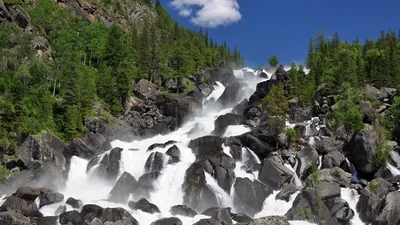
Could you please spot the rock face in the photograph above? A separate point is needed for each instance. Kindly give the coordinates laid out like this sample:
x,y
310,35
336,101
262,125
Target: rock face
x,y
46,148
90,145
168,221
361,152
250,195
307,157
108,165
221,215
144,206
372,199
391,212
222,122
274,174
125,185
182,210
275,220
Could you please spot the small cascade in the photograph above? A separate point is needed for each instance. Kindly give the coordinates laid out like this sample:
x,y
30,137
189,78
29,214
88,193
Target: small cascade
x,y
224,198
395,171
297,180
354,174
214,96
351,196
276,207
319,162
236,130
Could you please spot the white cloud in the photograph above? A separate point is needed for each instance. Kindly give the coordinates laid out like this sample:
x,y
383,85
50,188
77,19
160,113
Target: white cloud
x,y
209,13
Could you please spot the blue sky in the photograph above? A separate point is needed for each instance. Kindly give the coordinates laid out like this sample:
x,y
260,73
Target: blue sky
x,y
264,28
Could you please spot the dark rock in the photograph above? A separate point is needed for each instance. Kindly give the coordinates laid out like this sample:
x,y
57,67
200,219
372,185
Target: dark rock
x,y
177,107
300,129
173,152
168,221
108,165
326,145
262,90
155,162
270,220
221,215
74,203
91,211
197,194
242,218
207,222
144,205
182,210
223,121
19,205
334,159
48,220
172,84
49,198
240,108
206,146
160,145
372,199
324,132
250,195
71,218
259,147
46,148
147,180
333,175
308,207
28,193
307,157
125,185
231,95
118,216
144,89
274,174
286,192
90,145
361,152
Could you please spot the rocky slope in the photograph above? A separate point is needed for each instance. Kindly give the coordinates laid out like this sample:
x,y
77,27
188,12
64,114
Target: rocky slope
x,y
317,197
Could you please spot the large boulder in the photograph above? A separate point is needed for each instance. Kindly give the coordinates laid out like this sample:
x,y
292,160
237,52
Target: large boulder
x,y
22,206
223,121
286,191
308,206
168,221
274,174
125,185
206,146
108,165
178,107
340,209
144,89
155,162
197,194
372,199
390,214
45,148
307,157
182,210
144,206
231,95
117,216
13,218
326,145
361,152
89,146
334,159
249,196
222,215
71,218
262,90
333,175
49,198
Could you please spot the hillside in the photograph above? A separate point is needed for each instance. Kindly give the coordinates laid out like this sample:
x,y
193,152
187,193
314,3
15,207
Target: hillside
x,y
59,58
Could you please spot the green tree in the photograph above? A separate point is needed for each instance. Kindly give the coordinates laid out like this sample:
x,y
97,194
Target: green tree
x,y
273,60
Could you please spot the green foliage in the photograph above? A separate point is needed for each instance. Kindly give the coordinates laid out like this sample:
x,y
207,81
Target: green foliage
x,y
392,119
291,134
4,172
382,154
90,63
346,112
273,60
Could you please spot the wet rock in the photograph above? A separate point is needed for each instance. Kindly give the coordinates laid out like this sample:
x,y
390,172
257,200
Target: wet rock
x,y
182,210
232,93
240,108
206,146
49,198
155,162
250,195
90,145
174,151
28,193
274,174
60,210
259,147
48,220
197,194
242,218
144,205
286,192
71,218
108,165
167,221
125,185
223,121
90,211
207,222
262,90
333,175
147,180
74,203
160,145
307,157
334,159
221,215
